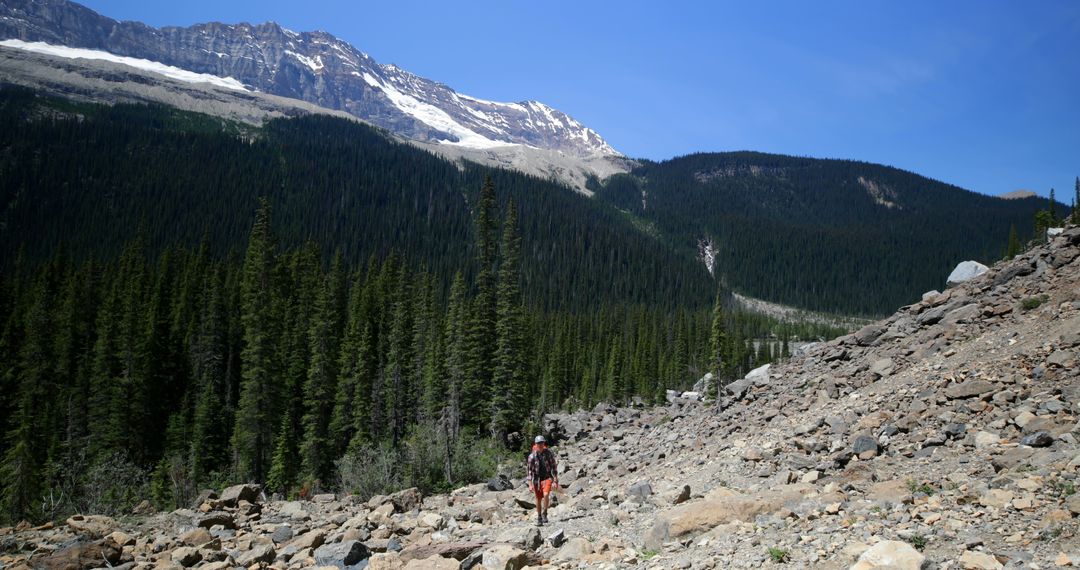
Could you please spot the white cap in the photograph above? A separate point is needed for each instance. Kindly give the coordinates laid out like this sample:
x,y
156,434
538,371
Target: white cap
x,y
539,439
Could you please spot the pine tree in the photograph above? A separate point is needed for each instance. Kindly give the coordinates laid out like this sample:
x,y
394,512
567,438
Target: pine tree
x,y
319,388
400,385
456,357
1014,243
481,332
613,373
509,381
1076,203
717,341
254,415
209,443
26,454
284,465
1052,208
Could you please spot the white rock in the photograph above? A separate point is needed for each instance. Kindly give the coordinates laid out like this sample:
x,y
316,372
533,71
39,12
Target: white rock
x,y
759,375
891,554
966,271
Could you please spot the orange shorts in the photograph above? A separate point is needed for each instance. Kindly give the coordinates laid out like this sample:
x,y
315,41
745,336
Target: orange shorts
x,y
542,490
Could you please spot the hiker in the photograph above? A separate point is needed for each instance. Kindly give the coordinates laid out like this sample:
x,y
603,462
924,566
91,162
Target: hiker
x,y
543,476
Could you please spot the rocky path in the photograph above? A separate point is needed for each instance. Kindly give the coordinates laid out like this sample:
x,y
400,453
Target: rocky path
x,y
942,437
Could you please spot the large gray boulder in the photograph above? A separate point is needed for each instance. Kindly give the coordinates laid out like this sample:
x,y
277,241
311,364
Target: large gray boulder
x,y
341,554
966,271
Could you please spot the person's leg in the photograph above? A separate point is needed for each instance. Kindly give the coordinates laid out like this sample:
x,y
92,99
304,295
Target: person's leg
x,y
538,494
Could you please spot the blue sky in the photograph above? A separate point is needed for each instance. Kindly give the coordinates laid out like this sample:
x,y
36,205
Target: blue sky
x,y
985,95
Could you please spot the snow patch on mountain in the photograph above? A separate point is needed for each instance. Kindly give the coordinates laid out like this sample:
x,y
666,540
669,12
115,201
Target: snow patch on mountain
x,y
315,63
706,250
433,117
144,64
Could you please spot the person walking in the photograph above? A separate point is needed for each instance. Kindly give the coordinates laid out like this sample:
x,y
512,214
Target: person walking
x,y
543,476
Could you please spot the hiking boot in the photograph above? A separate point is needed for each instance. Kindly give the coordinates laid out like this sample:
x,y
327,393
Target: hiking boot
x,y
540,520
543,518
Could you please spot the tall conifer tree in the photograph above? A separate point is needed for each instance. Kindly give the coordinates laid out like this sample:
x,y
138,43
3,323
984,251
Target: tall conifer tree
x,y
252,434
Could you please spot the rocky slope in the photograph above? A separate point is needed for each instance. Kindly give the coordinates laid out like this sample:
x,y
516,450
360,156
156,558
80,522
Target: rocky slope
x,y
942,437
316,67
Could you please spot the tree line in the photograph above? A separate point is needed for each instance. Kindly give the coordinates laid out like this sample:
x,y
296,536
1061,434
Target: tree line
x,y
154,376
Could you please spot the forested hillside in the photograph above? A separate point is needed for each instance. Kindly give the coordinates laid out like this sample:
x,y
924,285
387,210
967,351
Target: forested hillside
x,y
278,368
91,177
834,235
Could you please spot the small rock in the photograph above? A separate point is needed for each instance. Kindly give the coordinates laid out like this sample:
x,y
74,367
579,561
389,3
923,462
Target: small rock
x,y
1038,439
557,538
282,534
341,554
642,490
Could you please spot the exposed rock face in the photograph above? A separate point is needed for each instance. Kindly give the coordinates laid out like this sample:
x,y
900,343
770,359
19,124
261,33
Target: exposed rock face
x,y
312,66
964,455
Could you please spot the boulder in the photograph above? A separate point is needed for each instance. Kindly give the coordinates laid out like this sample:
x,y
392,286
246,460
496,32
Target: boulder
x,y
281,534
503,557
865,446
385,561
891,555
263,553
433,563
95,526
739,388
575,549
196,537
968,389
81,555
868,334
310,539
1037,439
186,556
214,519
532,539
246,492
642,490
979,561
759,376
499,482
407,500
455,550
965,271
720,507
559,537
341,554
882,367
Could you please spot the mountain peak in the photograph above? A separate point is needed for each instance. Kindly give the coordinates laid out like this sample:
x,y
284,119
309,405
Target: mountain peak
x,y
316,67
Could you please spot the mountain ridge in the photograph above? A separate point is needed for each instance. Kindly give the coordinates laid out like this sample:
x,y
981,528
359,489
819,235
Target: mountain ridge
x,y
312,66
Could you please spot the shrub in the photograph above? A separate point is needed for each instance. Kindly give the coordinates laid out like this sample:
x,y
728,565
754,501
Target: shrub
x,y
917,487
779,555
1033,302
918,541
113,486
369,471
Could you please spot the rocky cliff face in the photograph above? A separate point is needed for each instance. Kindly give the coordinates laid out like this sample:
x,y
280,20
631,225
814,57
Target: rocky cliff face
x,y
315,67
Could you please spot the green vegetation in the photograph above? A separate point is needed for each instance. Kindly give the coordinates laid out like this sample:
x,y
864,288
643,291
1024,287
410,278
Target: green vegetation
x,y
918,541
778,555
918,487
1031,303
